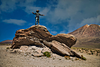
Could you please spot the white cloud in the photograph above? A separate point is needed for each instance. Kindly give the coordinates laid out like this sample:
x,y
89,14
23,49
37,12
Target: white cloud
x,y
92,20
64,31
53,32
98,19
69,13
64,10
15,21
8,5
11,5
27,5
74,12
45,11
30,9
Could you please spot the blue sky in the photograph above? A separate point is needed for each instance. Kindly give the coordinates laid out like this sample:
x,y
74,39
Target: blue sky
x,y
61,16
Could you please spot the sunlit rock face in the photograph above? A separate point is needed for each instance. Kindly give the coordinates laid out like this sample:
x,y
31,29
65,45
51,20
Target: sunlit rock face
x,y
38,35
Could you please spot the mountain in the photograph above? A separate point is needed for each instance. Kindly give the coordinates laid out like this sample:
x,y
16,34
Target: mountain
x,y
6,42
92,30
87,36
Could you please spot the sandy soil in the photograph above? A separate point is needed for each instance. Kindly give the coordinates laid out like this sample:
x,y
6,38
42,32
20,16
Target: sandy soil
x,y
17,60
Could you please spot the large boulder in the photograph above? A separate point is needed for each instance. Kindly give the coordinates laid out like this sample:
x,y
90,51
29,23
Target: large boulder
x,y
39,36
60,48
31,36
36,34
67,39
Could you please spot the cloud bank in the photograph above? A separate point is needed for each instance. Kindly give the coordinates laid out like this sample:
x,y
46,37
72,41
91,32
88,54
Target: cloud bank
x,y
15,21
71,14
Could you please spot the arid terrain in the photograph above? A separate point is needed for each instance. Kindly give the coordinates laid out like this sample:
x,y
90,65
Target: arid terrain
x,y
81,43
8,59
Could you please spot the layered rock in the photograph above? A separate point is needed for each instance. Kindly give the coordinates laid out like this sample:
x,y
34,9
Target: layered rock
x,y
60,48
38,35
67,39
33,35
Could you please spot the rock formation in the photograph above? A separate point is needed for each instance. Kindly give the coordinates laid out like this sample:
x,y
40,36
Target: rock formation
x,y
38,35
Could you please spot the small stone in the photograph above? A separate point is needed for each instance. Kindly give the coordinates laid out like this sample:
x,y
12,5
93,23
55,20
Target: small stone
x,y
46,49
25,54
37,55
23,48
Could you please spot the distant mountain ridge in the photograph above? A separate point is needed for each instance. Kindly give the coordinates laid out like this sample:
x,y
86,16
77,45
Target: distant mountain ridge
x,y
6,42
87,36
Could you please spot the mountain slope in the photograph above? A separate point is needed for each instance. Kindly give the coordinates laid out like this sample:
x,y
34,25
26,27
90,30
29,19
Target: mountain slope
x,y
6,42
92,30
87,36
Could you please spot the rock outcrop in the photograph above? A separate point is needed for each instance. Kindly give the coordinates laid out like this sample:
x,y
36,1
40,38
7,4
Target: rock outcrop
x,y
67,39
38,35
60,48
33,35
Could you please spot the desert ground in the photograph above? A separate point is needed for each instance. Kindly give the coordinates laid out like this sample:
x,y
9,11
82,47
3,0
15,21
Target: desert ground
x,y
8,59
